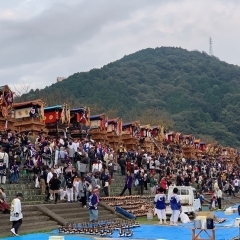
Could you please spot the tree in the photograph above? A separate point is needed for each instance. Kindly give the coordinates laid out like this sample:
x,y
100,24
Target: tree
x,y
21,88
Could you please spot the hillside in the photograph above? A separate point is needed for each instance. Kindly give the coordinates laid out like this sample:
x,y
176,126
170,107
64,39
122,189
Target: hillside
x,y
188,90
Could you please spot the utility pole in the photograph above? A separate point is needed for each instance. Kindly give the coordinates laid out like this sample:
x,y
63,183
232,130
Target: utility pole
x,y
210,47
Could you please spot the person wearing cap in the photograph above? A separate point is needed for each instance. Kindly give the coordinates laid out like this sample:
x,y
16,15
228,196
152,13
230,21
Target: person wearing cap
x,y
160,205
93,205
16,215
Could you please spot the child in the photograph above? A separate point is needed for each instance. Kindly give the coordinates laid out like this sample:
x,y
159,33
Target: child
x,y
160,208
175,206
213,203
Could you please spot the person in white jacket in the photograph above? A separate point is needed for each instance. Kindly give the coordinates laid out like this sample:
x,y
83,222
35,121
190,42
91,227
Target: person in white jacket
x,y
16,215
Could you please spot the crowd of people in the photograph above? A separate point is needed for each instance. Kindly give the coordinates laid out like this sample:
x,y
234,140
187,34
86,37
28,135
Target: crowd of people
x,y
63,168
71,169
152,171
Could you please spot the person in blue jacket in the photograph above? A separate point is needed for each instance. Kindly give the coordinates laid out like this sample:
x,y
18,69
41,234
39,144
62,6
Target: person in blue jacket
x,y
175,206
93,205
160,205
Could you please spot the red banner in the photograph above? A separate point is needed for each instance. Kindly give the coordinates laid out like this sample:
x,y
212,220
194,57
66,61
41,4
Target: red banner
x,y
50,117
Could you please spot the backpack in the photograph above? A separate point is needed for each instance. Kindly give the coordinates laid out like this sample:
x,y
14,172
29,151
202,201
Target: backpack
x,y
69,183
2,159
136,183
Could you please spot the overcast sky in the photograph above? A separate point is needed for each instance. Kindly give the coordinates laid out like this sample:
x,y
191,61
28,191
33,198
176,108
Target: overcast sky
x,y
43,39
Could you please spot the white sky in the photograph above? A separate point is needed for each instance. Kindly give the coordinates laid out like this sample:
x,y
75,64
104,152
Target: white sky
x,y
43,39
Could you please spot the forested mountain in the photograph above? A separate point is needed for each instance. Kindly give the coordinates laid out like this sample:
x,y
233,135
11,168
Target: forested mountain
x,y
188,91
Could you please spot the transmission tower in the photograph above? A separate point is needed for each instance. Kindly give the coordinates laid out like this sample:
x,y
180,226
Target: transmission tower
x,y
210,46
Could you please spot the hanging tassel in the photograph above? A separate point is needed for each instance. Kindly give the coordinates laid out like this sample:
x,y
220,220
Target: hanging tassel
x,y
6,125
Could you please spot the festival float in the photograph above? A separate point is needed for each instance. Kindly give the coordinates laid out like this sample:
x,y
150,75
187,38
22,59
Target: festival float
x,y
57,119
197,150
174,141
114,132
202,146
187,146
98,128
6,102
155,135
79,122
229,155
29,116
145,141
158,136
130,134
170,136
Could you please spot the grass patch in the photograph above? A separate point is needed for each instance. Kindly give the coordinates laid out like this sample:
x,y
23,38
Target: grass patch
x,y
144,220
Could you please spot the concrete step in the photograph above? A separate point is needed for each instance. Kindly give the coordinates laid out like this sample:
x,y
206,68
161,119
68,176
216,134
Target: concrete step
x,y
39,227
26,191
33,221
80,214
18,186
117,185
27,213
28,220
67,206
30,203
77,209
27,198
30,208
33,228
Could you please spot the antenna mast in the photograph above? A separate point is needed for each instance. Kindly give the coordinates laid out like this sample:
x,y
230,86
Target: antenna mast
x,y
210,47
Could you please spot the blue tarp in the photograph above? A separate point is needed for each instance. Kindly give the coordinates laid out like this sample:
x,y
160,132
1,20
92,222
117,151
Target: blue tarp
x,y
153,232
44,236
224,231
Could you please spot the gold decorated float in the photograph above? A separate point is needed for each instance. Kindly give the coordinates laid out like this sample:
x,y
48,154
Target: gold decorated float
x,y
114,132
98,128
29,116
130,134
